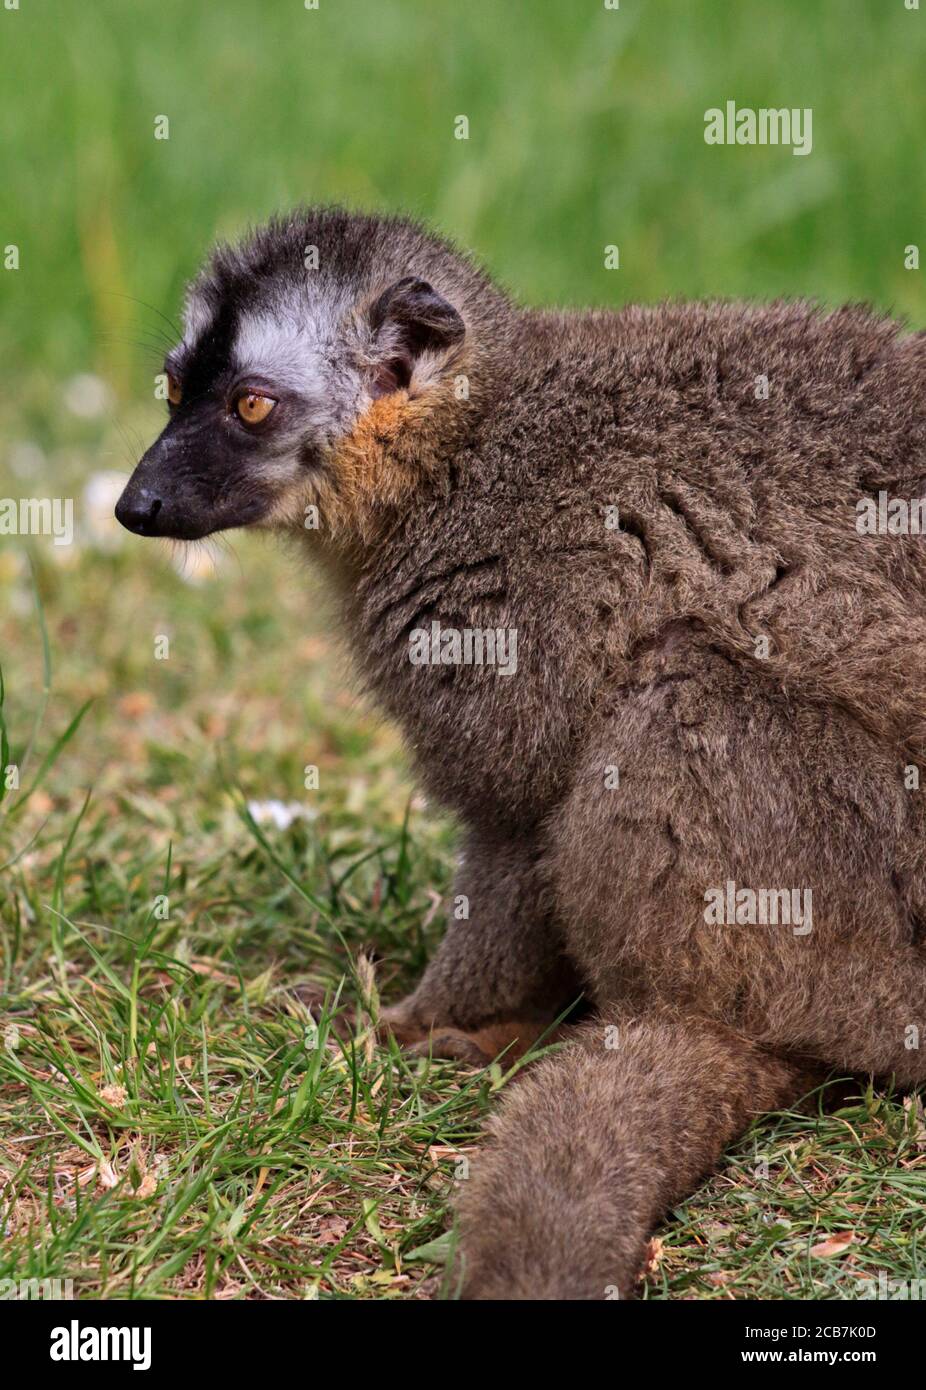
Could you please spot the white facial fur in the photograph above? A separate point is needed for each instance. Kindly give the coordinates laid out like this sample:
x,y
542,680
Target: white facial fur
x,y
197,316
311,349
308,359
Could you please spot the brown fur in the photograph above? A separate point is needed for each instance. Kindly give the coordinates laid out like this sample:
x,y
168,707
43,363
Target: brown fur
x,y
638,649
376,467
594,1144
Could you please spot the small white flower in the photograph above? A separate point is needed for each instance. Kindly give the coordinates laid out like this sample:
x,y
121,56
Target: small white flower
x,y
280,813
87,396
26,459
101,493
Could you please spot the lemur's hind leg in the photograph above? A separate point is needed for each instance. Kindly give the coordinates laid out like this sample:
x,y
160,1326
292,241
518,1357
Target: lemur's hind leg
x,y
597,1142
759,862
500,976
871,1017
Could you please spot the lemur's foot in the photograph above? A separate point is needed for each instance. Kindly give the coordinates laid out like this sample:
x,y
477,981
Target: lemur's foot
x,y
452,1045
508,1040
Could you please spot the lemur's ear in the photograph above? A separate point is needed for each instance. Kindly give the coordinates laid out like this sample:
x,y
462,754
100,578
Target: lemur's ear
x,y
408,319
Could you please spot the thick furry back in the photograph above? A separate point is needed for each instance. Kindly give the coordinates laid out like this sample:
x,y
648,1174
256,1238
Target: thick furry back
x,y
631,480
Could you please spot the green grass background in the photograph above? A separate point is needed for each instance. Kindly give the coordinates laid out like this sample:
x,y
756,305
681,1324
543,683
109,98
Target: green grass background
x,y
277,1169
586,128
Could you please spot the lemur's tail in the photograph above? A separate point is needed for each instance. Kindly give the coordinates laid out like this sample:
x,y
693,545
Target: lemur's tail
x,y
596,1142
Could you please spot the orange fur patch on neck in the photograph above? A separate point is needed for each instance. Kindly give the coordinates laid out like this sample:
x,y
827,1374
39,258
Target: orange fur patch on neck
x,y
381,460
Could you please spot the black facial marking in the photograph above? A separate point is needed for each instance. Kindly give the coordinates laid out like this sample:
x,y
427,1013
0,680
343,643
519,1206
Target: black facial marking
x,y
209,359
202,473
208,471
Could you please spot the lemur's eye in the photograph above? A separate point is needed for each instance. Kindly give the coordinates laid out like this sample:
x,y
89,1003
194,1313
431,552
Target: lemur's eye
x,y
174,390
252,407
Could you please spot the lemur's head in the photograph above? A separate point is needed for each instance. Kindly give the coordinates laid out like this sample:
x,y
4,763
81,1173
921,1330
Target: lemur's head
x,y
322,361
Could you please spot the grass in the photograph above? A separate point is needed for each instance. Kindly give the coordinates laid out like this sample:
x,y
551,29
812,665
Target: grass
x,y
171,1122
585,129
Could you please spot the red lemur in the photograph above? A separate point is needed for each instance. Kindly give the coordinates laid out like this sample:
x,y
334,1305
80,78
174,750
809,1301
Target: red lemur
x,y
718,698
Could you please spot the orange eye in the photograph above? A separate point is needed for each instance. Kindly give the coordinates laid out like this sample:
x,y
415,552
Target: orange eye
x,y
252,407
174,390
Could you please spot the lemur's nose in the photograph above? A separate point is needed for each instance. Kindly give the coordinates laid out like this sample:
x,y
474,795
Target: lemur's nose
x,y
137,512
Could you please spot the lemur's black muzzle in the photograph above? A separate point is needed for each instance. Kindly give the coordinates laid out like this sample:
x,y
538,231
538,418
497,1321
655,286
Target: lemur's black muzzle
x,y
137,510
156,503
187,487
149,506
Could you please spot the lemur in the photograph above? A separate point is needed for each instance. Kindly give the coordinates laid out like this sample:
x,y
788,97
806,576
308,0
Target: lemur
x,y
720,685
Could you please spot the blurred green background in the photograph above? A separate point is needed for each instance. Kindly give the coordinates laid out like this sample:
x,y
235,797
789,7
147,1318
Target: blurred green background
x,y
586,128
